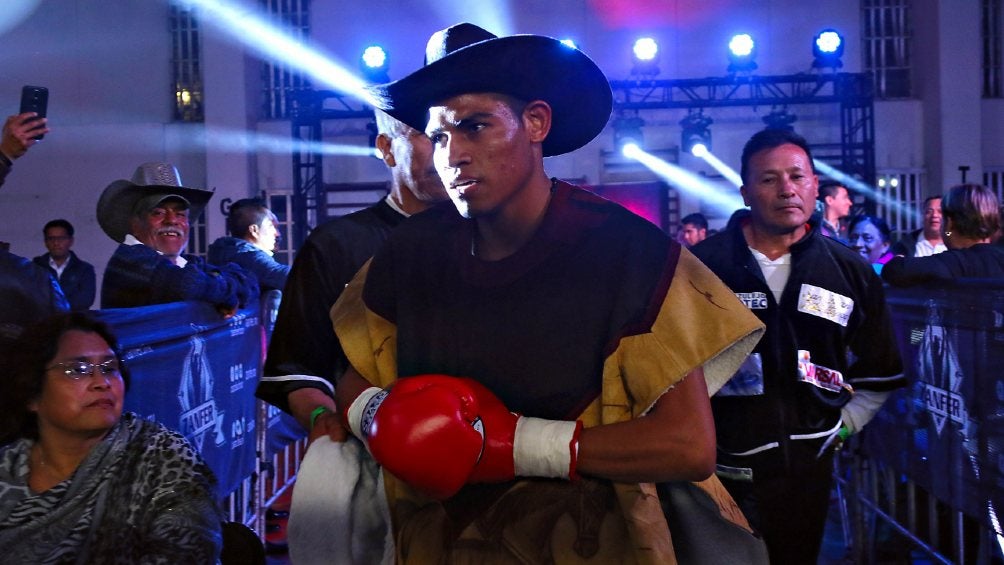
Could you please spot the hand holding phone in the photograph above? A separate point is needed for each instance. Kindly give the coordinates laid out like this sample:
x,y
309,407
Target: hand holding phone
x,y
35,99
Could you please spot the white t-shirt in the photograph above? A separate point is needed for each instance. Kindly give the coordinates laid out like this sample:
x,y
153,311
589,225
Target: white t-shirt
x,y
924,248
775,272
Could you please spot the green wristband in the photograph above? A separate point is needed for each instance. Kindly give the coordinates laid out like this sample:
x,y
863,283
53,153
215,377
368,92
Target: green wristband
x,y
315,413
844,433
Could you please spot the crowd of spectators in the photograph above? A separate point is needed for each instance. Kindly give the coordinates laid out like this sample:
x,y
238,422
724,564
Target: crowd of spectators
x,y
971,222
64,437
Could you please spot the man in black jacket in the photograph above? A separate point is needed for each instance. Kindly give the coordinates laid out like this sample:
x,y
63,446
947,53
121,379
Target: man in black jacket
x,y
75,276
825,365
304,356
253,230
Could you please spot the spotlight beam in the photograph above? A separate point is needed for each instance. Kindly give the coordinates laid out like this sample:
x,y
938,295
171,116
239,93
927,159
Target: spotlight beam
x,y
223,139
247,27
687,181
726,171
863,188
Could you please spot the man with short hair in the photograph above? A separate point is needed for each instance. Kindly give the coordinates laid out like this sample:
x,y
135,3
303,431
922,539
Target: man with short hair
x,y
304,357
544,342
252,240
925,241
694,229
149,216
826,364
836,206
76,277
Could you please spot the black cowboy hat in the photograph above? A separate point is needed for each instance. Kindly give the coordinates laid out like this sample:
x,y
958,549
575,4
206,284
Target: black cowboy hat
x,y
465,58
151,184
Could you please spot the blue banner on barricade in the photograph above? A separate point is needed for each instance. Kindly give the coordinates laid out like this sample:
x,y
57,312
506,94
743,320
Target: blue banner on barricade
x,y
281,429
196,373
945,431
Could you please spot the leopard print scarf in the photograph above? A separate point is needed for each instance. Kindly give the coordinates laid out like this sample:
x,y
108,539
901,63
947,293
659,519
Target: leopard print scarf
x,y
142,494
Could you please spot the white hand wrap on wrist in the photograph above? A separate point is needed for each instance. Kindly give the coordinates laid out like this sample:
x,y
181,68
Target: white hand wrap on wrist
x,y
545,448
360,413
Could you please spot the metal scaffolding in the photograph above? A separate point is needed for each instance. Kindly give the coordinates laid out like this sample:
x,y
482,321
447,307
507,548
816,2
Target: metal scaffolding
x,y
311,108
853,153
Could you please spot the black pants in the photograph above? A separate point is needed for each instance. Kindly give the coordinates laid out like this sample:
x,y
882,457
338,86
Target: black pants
x,y
788,511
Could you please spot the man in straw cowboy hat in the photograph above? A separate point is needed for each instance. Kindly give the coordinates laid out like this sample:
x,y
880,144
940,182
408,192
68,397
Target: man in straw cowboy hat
x,y
526,363
149,216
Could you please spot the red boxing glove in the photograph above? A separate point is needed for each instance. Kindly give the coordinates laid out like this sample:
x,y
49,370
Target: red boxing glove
x,y
521,446
422,430
496,464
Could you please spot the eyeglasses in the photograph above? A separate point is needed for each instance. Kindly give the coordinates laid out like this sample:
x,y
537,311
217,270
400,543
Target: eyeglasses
x,y
77,370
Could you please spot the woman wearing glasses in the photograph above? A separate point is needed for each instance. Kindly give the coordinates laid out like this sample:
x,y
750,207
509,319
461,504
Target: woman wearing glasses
x,y
81,482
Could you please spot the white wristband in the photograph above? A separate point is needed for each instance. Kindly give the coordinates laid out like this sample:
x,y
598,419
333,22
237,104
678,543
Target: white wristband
x,y
862,408
357,412
543,448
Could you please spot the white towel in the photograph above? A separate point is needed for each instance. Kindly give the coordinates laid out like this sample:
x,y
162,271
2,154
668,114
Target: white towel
x,y
339,510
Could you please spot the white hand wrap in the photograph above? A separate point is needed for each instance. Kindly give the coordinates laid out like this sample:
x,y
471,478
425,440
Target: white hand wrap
x,y
544,448
358,416
862,408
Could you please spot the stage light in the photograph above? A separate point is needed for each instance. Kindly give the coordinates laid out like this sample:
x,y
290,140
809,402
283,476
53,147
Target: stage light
x,y
627,133
780,119
570,43
742,51
646,49
646,57
695,137
891,182
827,48
374,64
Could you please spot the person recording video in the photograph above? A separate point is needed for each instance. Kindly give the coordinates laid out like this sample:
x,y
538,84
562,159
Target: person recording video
x,y
19,133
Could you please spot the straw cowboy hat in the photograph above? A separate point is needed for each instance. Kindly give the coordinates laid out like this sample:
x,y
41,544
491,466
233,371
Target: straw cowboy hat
x,y
465,58
151,184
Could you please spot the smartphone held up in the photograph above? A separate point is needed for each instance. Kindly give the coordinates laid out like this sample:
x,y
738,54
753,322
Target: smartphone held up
x,y
35,99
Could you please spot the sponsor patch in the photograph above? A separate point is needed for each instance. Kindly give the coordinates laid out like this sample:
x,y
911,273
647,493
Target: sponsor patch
x,y
825,303
823,377
753,300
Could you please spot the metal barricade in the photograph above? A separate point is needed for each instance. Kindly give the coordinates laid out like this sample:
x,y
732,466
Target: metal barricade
x,y
924,481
